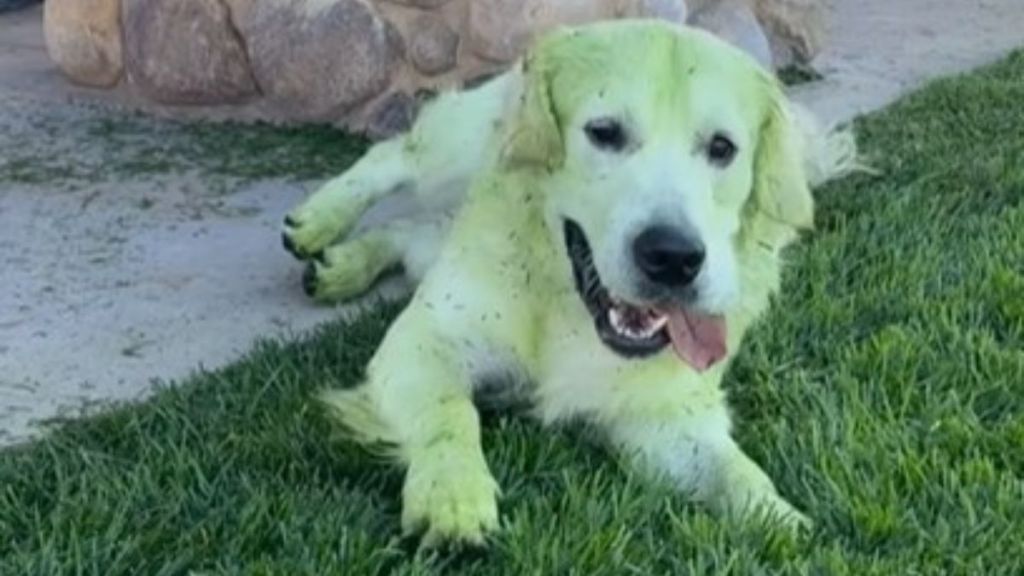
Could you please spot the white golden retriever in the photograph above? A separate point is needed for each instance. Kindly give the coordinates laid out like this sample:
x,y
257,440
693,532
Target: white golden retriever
x,y
622,198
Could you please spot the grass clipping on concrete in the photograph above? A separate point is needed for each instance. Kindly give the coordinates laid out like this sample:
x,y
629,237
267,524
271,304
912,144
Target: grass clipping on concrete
x,y
884,393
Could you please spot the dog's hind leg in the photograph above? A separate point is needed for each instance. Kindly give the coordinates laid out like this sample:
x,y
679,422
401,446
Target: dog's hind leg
x,y
349,269
453,138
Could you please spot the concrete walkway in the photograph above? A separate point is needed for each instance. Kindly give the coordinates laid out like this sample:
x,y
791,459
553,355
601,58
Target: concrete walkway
x,y
108,286
882,49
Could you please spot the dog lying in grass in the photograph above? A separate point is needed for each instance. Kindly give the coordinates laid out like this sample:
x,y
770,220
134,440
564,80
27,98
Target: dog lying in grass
x,y
622,196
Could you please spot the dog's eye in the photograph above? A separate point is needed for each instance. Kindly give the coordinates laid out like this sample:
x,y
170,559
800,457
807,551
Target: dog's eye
x,y
721,150
606,134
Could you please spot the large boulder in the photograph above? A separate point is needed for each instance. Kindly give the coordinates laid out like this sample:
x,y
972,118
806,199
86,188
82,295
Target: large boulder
x,y
433,45
670,10
393,115
364,63
499,30
83,37
796,28
318,60
734,21
425,4
185,52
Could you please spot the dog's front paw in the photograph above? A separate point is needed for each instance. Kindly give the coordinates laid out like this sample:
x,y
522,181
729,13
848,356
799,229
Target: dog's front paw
x,y
449,504
303,237
345,271
311,228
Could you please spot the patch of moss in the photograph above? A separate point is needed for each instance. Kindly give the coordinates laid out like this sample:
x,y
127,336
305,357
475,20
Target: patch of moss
x,y
86,145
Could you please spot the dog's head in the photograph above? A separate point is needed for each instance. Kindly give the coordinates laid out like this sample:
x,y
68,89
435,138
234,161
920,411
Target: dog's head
x,y
656,149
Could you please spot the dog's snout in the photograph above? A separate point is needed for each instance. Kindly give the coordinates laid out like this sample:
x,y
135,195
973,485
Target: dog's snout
x,y
667,256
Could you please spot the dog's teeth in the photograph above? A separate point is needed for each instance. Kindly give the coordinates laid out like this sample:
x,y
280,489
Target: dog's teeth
x,y
658,323
644,333
615,317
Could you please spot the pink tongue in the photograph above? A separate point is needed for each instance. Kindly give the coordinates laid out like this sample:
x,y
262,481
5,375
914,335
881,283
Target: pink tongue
x,y
698,339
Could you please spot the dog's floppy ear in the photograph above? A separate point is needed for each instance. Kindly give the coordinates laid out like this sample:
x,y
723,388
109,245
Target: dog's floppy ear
x,y
781,190
535,137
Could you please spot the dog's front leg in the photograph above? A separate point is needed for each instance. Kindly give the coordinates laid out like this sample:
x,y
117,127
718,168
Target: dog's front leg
x,y
419,393
699,457
449,143
449,493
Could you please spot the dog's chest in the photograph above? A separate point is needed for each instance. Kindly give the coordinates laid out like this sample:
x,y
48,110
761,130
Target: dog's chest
x,y
576,373
503,391
572,372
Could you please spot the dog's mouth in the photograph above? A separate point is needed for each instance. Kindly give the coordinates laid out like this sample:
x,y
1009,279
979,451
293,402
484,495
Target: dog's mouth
x,y
637,331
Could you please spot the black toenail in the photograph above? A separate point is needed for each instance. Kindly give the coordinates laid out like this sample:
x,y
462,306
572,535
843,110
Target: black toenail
x,y
309,280
289,245
289,221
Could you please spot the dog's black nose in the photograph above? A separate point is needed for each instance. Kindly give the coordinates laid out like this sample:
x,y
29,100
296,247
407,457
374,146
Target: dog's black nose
x,y
667,256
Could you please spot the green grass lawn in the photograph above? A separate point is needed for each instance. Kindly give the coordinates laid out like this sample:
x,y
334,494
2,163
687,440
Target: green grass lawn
x,y
884,393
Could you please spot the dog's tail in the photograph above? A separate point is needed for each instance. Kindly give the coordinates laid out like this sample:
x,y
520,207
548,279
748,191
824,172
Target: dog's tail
x,y
830,152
